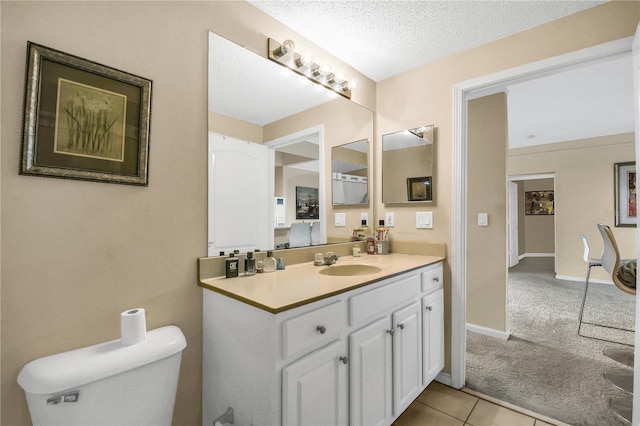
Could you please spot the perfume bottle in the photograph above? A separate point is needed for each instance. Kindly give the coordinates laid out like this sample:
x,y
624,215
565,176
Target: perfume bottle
x,y
269,263
231,270
250,264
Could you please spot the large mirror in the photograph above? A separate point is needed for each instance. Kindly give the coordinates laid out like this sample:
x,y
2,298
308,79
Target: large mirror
x,y
261,114
350,173
408,166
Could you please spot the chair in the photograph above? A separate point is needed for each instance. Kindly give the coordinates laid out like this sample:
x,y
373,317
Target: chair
x,y
315,234
611,262
300,234
619,377
591,262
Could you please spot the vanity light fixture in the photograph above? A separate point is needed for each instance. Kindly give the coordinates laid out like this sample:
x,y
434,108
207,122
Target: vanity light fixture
x,y
285,54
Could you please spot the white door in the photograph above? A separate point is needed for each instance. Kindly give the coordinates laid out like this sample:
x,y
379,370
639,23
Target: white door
x,y
407,357
370,374
636,102
513,224
314,389
241,179
432,336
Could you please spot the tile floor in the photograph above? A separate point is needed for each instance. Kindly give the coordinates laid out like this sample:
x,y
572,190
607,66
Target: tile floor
x,y
440,405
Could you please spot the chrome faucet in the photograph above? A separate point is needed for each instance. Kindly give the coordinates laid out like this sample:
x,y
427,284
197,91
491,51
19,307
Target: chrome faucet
x,y
331,259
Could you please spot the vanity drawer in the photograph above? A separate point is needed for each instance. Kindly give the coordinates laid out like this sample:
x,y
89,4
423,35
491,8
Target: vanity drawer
x,y
432,279
313,328
374,302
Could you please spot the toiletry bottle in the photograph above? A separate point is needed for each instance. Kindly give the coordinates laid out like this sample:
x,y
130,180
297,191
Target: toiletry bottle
x,y
381,231
363,231
269,263
231,266
371,245
250,264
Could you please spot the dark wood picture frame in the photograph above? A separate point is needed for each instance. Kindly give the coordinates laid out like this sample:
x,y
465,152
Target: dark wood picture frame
x,y
626,208
539,203
307,203
419,189
84,120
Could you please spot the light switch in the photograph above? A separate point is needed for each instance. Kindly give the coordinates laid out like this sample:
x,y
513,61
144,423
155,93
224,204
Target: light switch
x,y
483,219
341,219
389,220
424,220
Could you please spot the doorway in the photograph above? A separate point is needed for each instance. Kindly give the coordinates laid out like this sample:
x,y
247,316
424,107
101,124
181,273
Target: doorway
x,y
463,92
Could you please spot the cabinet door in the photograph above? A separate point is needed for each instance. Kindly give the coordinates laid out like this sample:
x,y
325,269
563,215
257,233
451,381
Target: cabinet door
x,y
314,388
432,335
370,374
407,356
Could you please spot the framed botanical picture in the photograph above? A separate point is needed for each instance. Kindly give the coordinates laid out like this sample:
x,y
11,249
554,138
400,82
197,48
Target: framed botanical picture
x,y
538,203
84,120
307,204
419,189
625,194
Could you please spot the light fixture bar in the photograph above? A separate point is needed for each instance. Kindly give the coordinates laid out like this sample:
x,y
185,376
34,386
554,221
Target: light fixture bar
x,y
288,57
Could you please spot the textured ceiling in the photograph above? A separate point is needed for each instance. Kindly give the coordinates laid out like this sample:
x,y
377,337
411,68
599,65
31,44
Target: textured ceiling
x,y
385,38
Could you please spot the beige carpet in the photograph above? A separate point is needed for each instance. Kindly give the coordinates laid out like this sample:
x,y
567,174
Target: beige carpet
x,y
545,366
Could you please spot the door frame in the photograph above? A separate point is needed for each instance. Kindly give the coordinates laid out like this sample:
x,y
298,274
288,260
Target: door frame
x,y
314,132
513,208
462,93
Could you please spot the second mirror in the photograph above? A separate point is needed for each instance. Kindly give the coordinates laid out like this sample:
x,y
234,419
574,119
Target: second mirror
x,y
349,173
408,165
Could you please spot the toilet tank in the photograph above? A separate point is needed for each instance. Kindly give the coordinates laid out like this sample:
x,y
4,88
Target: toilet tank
x,y
108,383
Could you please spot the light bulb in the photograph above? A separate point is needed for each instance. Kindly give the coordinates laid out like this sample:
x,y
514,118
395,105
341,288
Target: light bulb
x,y
287,47
325,68
353,83
304,60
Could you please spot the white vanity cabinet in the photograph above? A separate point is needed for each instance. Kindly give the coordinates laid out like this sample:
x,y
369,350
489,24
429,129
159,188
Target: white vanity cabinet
x,y
355,358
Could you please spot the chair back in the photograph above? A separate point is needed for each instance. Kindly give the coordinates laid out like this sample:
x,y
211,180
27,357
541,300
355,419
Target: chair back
x,y
611,258
585,244
300,234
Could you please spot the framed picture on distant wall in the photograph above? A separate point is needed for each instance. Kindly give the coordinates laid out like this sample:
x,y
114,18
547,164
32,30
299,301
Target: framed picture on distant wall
x,y
539,203
307,204
626,210
84,120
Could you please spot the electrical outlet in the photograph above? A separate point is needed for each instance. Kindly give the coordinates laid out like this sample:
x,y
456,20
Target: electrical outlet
x,y
364,216
389,220
483,219
341,219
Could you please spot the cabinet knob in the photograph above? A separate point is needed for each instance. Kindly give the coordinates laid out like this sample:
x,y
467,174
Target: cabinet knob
x,y
429,308
321,328
390,331
401,326
436,279
344,359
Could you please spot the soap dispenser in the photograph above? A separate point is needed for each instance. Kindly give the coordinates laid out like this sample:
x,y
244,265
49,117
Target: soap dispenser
x,y
269,263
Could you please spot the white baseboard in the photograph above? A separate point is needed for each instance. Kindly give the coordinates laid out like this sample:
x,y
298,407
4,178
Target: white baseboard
x,y
444,378
591,280
503,335
522,256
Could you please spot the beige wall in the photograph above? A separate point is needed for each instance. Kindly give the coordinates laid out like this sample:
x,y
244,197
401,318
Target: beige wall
x,y
539,230
487,193
583,197
76,254
425,95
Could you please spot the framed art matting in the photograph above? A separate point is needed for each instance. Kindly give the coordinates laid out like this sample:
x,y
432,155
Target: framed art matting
x,y
84,120
419,189
625,194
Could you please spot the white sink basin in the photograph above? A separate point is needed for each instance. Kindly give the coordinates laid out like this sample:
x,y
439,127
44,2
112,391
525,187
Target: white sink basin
x,y
350,270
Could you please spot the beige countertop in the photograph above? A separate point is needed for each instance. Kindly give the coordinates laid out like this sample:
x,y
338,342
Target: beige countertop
x,y
303,283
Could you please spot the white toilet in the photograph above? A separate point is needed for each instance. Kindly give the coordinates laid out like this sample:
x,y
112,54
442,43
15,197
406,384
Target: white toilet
x,y
108,383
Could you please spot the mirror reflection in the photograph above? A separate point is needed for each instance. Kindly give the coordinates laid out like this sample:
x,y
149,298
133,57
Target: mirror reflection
x,y
408,165
350,173
269,132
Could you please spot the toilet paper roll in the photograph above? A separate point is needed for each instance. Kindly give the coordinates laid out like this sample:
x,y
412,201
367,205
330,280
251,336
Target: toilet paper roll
x,y
133,326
